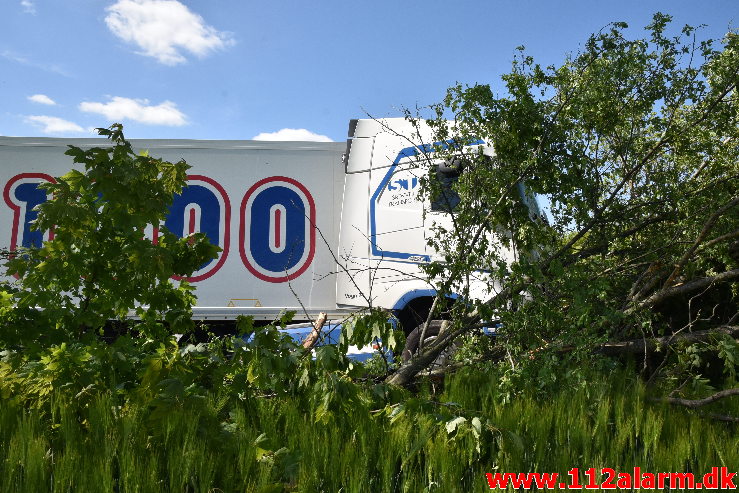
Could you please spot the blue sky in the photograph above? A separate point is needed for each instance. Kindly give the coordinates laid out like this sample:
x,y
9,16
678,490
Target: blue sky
x,y
291,70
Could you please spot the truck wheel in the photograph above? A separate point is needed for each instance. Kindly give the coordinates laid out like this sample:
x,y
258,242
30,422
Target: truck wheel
x,y
432,332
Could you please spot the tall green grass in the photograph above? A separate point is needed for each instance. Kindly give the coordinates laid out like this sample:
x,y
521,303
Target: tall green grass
x,y
611,423
271,445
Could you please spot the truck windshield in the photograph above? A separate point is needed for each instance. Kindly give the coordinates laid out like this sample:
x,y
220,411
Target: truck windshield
x,y
447,174
447,199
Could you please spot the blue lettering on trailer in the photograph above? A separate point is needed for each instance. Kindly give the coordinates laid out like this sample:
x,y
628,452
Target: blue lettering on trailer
x,y
277,229
30,195
202,207
270,224
22,194
195,210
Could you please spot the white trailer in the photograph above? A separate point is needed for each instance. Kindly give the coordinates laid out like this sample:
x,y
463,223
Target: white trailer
x,y
304,226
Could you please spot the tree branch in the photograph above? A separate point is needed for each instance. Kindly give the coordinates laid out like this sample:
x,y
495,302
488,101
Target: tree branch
x,y
588,252
719,239
312,338
696,403
640,346
688,287
702,236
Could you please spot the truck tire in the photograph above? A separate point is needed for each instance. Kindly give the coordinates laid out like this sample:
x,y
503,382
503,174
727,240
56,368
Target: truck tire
x,y
432,332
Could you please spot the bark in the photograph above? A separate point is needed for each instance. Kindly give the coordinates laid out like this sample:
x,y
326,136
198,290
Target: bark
x,y
312,338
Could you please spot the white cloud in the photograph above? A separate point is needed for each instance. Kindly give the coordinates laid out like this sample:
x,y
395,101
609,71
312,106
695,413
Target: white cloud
x,y
53,124
28,7
137,110
292,134
42,99
163,29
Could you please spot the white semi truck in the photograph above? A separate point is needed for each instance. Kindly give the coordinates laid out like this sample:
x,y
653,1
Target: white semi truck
x,y
304,226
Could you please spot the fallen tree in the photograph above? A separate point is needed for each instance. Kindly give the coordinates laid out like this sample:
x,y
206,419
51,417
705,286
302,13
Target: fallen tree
x,y
631,149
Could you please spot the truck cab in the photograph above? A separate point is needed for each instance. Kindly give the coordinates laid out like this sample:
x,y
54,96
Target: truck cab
x,y
385,223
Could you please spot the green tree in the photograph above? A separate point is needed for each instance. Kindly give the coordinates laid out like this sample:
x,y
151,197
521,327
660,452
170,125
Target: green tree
x,y
634,145
99,267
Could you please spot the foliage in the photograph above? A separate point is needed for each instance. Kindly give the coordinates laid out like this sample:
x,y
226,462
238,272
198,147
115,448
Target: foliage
x,y
99,266
632,147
